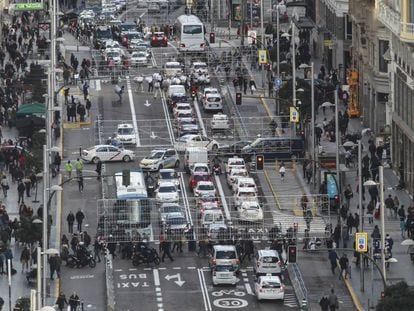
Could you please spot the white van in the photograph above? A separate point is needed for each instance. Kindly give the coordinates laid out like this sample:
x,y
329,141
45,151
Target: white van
x,y
194,155
176,89
224,255
172,69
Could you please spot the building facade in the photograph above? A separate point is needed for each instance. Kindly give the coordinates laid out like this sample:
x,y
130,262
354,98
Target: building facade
x,y
370,57
398,17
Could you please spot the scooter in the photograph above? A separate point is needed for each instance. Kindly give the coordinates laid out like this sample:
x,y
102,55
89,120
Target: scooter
x,y
217,169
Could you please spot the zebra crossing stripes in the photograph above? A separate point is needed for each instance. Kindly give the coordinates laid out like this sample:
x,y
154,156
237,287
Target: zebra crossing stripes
x,y
286,221
290,300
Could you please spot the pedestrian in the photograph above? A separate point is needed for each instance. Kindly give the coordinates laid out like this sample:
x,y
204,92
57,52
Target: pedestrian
x,y
86,239
348,194
376,235
333,257
57,161
88,106
80,183
98,169
333,301
24,258
80,216
97,248
157,89
389,204
5,185
178,242
119,91
79,167
74,302
252,86
68,169
356,222
402,228
166,247
350,223
55,262
1,299
85,89
401,212
70,219
248,247
140,80
20,190
282,171
324,303
61,301
28,185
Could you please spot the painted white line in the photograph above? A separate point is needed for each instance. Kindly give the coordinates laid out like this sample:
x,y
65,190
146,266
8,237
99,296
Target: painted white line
x,y
117,270
244,273
200,119
159,294
245,280
205,287
159,305
157,289
185,199
222,197
98,85
132,269
248,288
156,277
176,268
147,269
133,114
167,118
162,268
191,268
142,14
202,289
159,299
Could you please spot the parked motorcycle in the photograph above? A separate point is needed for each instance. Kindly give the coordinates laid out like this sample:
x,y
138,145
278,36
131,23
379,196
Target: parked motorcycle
x,y
149,255
81,262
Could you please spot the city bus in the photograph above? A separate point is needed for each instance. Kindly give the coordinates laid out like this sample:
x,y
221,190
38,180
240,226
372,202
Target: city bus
x,y
190,33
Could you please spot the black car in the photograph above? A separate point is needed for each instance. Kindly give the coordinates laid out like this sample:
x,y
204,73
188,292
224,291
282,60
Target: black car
x,y
233,148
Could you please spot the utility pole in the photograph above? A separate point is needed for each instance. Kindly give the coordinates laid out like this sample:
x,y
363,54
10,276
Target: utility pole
x,y
243,17
361,210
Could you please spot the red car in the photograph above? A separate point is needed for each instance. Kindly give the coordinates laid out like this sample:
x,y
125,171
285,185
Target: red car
x,y
159,39
196,177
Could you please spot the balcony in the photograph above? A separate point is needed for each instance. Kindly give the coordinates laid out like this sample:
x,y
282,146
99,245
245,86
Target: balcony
x,y
392,20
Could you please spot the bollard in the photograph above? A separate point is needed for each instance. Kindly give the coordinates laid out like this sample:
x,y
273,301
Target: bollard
x,y
304,305
80,151
294,164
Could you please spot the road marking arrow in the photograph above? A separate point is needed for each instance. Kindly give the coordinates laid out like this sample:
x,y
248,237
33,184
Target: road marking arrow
x,y
147,103
177,276
153,136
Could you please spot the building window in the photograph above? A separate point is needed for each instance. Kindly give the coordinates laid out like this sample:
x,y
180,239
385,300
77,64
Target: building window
x,y
383,46
348,27
410,12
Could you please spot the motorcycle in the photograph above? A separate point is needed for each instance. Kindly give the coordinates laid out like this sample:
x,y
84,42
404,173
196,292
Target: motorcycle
x,y
147,256
73,261
217,169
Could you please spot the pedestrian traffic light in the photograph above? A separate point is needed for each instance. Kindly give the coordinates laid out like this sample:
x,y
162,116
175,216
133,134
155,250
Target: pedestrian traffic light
x,y
259,162
126,178
212,37
292,249
238,98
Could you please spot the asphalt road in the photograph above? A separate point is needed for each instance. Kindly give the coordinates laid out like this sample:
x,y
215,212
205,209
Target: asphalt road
x,y
150,287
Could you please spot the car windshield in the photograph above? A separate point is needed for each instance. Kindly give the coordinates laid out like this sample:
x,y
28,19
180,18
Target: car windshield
x,y
192,29
201,169
201,177
247,194
133,35
125,131
206,187
156,155
236,162
213,217
219,268
185,114
167,175
226,255
270,259
172,66
246,185
171,209
213,99
239,173
112,54
167,189
188,121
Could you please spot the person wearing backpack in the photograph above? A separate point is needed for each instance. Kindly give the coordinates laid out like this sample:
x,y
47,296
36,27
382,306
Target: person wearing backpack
x,y
333,301
324,303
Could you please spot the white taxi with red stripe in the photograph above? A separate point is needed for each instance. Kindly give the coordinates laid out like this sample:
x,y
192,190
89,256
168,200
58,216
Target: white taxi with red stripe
x,y
107,153
269,287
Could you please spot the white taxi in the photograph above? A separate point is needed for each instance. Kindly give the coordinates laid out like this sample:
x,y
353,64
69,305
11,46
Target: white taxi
x,y
125,134
107,153
194,140
167,192
224,274
250,211
269,287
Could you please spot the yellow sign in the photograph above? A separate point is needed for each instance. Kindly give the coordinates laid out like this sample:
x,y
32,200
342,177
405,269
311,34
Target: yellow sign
x,y
294,115
262,56
361,242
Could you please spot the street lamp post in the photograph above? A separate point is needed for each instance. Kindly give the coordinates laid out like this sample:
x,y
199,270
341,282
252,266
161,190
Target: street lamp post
x,y
293,73
361,210
338,179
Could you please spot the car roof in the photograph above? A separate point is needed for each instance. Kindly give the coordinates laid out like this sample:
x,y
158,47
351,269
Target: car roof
x,y
268,252
199,63
224,247
166,183
98,146
210,89
246,179
246,189
167,170
200,173
175,215
213,95
270,278
204,183
170,204
125,125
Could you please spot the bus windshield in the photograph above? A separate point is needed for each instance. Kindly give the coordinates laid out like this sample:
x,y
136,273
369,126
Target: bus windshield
x,y
192,29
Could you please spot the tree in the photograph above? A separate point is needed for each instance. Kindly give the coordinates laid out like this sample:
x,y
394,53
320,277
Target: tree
x,y
29,232
34,160
34,78
398,297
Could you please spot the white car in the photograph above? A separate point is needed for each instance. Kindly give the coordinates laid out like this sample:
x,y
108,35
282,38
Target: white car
x,y
139,59
159,159
200,167
199,67
166,192
269,287
182,106
169,174
250,211
244,182
176,221
234,174
245,195
112,44
114,54
224,274
212,102
234,163
107,153
125,133
194,140
209,90
204,188
220,122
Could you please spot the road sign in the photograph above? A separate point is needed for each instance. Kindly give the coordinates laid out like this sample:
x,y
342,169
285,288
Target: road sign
x,y
26,6
361,242
251,36
262,57
294,115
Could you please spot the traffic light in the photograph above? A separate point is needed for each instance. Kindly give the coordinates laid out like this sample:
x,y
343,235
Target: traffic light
x,y
292,253
126,178
212,37
238,98
259,162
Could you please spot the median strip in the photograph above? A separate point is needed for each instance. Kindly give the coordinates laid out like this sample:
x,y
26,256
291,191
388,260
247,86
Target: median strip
x,y
272,189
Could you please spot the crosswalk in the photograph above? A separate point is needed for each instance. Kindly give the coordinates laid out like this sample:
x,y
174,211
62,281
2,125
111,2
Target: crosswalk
x,y
290,300
286,221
